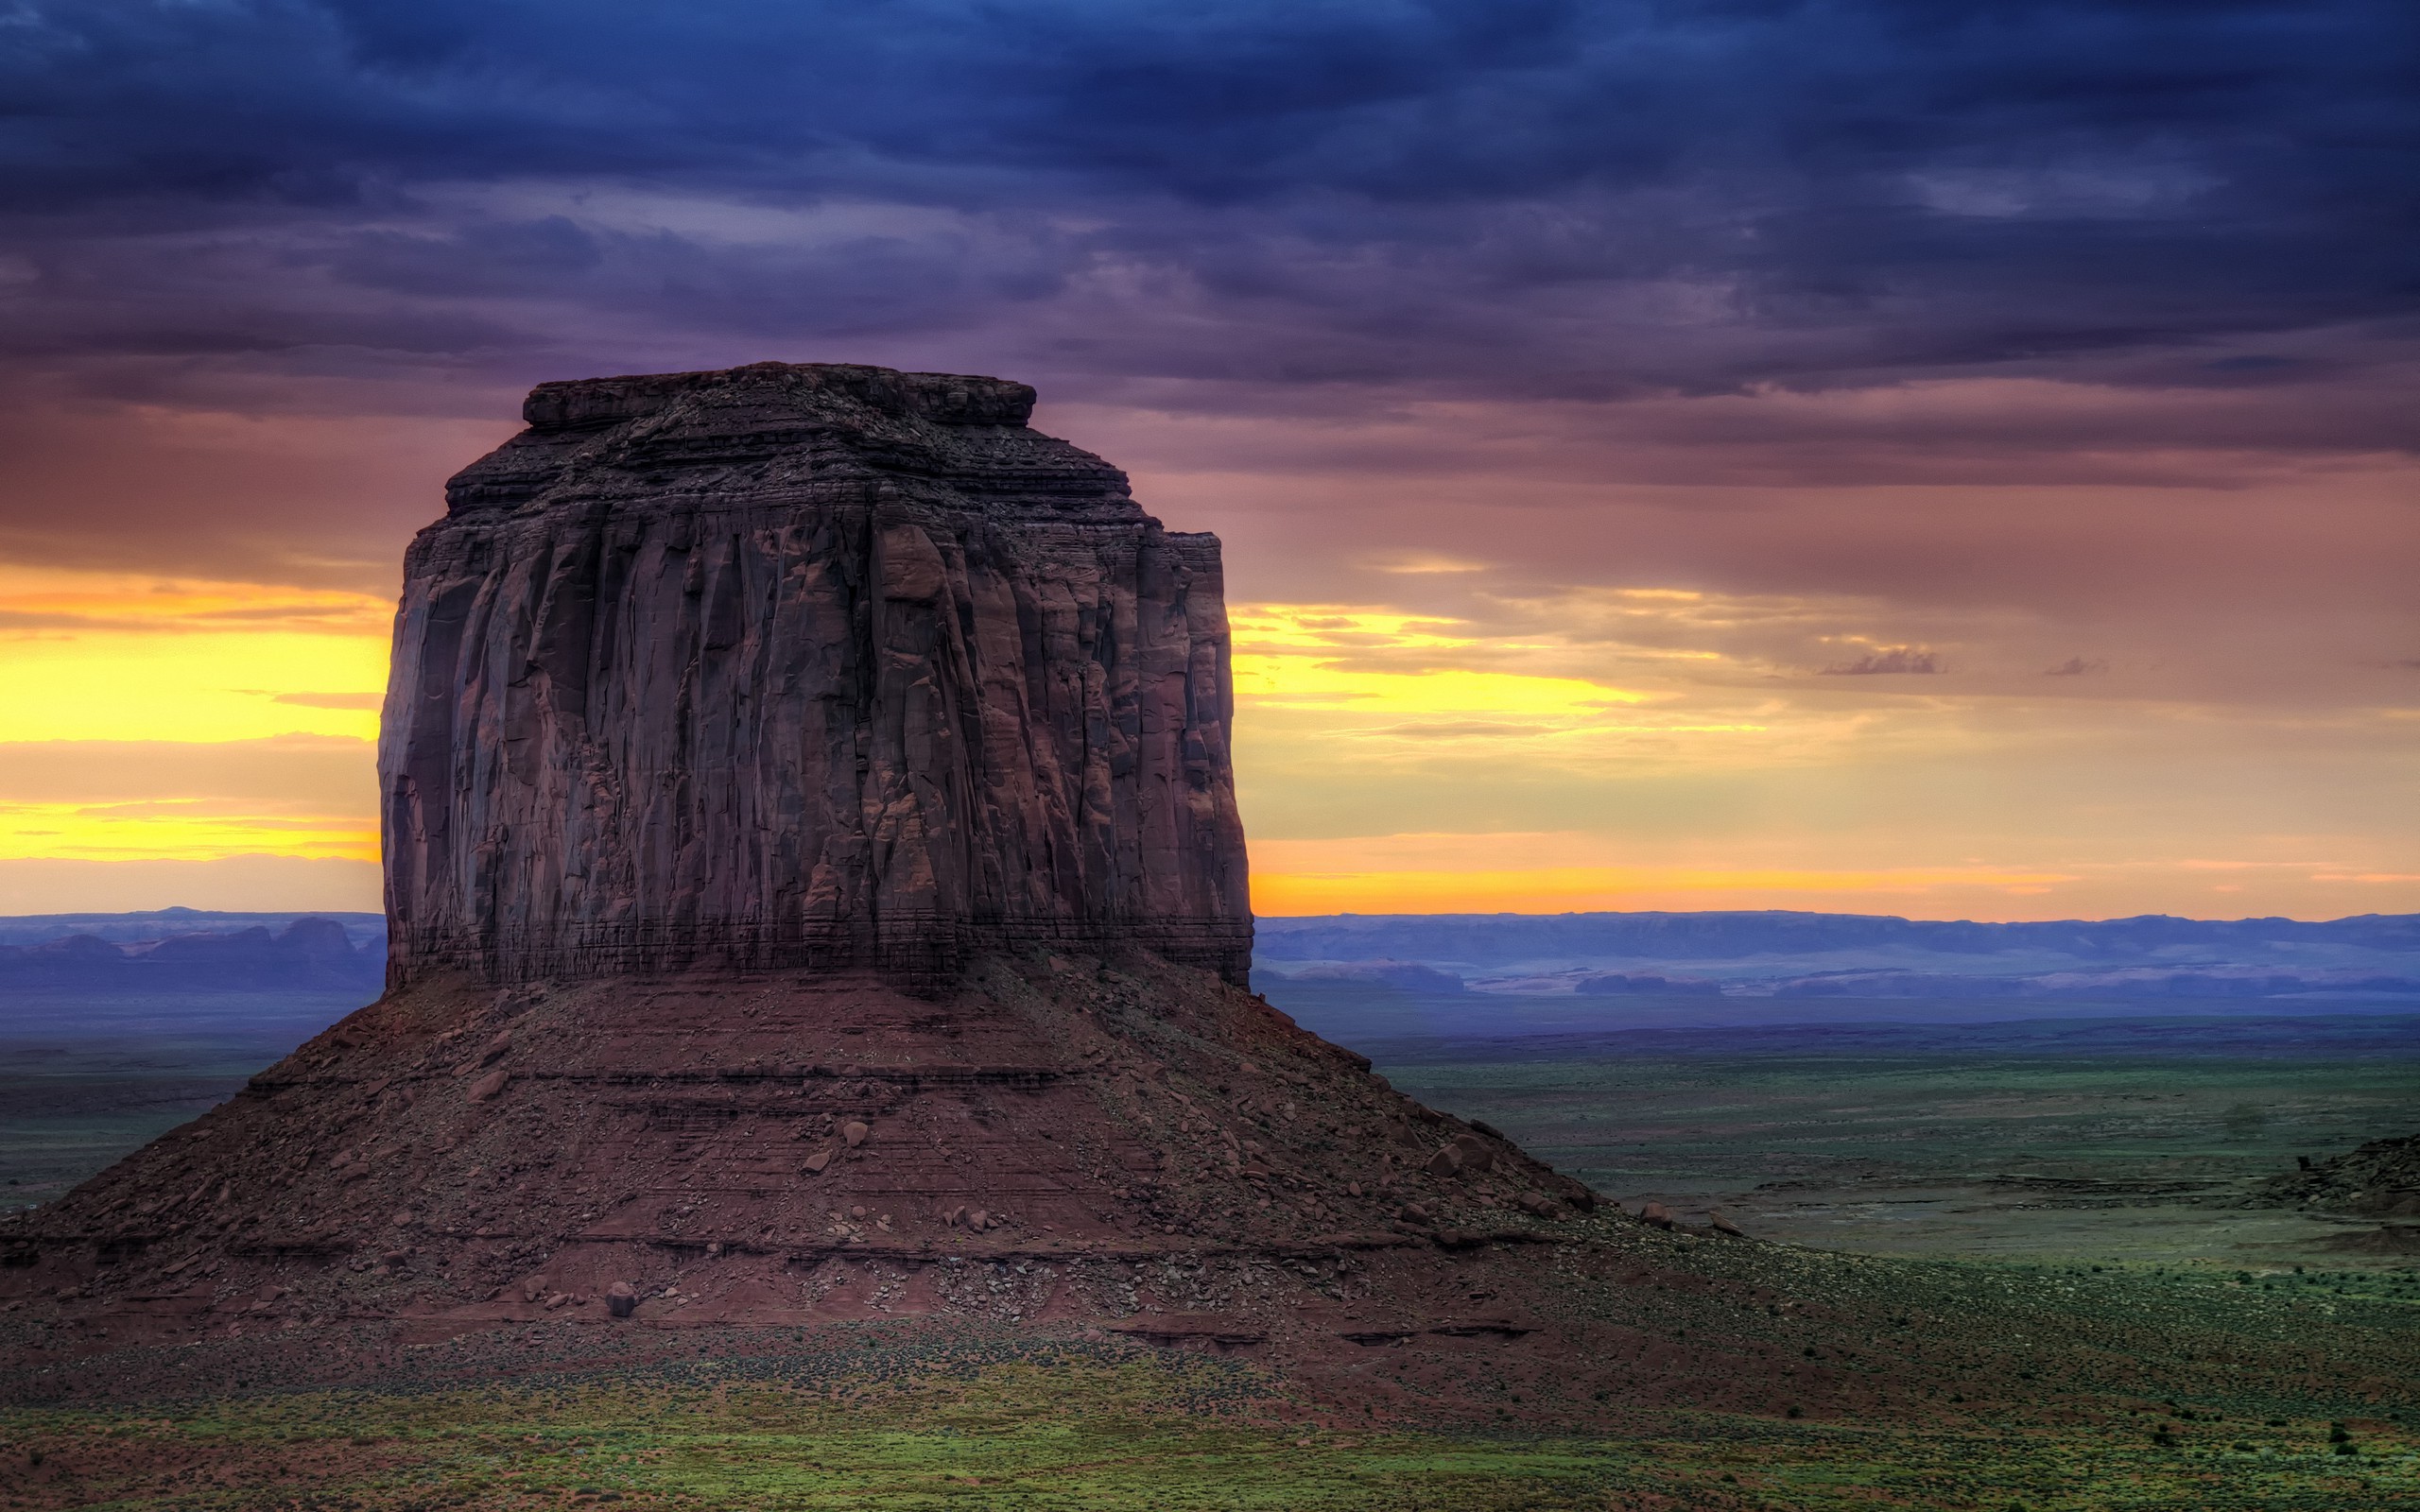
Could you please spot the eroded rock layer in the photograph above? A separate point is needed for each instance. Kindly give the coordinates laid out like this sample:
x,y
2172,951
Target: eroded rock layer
x,y
820,665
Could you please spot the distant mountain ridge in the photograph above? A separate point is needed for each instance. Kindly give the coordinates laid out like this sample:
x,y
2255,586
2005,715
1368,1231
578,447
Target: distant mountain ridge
x,y
1505,939
165,950
1762,954
362,930
1807,955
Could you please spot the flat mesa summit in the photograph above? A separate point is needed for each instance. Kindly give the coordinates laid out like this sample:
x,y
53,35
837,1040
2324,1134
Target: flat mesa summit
x,y
816,893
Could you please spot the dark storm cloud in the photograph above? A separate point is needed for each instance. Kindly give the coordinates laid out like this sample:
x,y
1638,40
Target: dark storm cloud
x,y
1476,195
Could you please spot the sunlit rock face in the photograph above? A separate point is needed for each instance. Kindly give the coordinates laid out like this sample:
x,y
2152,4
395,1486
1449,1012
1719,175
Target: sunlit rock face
x,y
800,665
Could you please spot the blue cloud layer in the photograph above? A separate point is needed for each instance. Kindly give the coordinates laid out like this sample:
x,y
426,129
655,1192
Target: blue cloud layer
x,y
1562,197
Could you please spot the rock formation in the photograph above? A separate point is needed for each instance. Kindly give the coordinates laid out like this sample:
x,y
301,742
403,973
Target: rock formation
x,y
2381,1177
812,867
804,666
816,899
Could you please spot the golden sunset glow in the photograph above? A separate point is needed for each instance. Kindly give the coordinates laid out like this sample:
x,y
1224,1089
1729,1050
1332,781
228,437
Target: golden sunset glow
x,y
1576,889
1338,687
1310,682
1578,870
1382,752
181,829
1351,665
100,656
242,699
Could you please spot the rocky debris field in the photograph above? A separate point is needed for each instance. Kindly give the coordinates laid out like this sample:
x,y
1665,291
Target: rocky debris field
x,y
459,1157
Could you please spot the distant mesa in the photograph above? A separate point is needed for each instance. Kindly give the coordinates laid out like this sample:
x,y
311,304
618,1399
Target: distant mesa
x,y
1522,973
1408,976
1496,939
2140,982
1617,984
308,953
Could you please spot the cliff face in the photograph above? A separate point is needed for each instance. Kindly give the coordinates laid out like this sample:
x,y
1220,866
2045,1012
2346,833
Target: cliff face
x,y
811,666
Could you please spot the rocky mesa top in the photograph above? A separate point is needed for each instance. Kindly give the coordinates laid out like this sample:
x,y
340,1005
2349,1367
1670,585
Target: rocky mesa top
x,y
772,429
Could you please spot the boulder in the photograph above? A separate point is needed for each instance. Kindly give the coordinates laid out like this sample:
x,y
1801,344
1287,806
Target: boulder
x,y
1573,1191
621,1299
1477,1154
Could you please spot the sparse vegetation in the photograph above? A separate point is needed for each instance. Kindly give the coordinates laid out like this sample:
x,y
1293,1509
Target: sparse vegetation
x,y
2139,1390
1076,1433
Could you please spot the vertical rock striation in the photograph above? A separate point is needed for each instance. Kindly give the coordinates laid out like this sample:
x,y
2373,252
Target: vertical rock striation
x,y
803,665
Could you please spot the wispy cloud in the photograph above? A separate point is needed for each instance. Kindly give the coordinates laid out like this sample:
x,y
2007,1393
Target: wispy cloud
x,y
2077,667
1889,662
331,700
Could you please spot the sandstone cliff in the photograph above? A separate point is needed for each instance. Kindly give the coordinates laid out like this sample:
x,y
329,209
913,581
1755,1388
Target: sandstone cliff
x,y
813,665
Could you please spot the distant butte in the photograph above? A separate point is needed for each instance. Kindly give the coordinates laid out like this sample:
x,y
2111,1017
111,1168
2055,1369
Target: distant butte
x,y
813,866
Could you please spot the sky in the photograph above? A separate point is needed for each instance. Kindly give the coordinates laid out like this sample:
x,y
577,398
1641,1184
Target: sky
x,y
1913,457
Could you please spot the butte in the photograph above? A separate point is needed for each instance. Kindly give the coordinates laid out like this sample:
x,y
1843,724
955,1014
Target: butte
x,y
816,893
